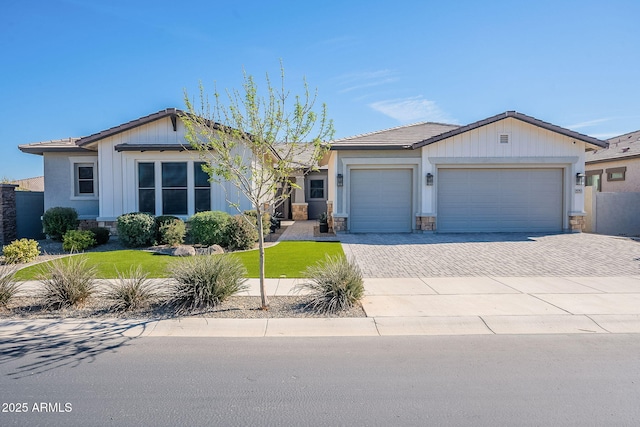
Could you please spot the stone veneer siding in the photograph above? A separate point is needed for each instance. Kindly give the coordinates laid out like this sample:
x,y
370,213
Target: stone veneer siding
x,y
426,223
299,211
577,223
339,224
8,219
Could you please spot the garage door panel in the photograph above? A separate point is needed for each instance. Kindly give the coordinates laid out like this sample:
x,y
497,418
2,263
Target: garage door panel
x,y
487,200
380,200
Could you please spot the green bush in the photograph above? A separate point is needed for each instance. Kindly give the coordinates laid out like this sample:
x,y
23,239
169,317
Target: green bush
x,y
136,229
336,284
8,285
101,235
240,234
202,282
171,232
57,221
266,220
131,291
23,250
78,241
209,228
67,281
160,220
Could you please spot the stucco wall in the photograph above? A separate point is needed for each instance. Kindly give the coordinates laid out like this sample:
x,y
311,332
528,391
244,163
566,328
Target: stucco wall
x,y
617,214
632,177
59,185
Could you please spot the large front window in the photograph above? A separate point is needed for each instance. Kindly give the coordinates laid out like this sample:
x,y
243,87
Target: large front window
x,y
173,188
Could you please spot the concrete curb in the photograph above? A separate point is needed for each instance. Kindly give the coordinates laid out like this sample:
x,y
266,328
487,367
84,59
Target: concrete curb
x,y
324,327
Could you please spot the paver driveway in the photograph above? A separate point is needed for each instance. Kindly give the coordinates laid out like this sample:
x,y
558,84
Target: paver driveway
x,y
492,254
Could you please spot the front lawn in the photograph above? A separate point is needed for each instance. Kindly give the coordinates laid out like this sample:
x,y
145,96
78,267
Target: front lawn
x,y
288,259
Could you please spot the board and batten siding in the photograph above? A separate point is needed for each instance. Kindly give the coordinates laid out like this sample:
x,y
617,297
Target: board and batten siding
x,y
118,170
529,146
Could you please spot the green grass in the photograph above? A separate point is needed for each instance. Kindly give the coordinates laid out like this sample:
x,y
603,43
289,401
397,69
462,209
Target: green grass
x,y
289,258
284,259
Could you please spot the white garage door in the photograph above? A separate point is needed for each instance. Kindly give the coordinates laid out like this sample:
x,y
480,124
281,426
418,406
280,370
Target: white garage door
x,y
380,201
482,200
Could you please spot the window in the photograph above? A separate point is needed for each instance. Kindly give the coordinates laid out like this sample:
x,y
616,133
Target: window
x,y
202,188
146,188
84,173
594,179
173,188
616,174
316,188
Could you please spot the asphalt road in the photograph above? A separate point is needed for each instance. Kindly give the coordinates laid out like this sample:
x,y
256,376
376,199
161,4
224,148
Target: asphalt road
x,y
472,380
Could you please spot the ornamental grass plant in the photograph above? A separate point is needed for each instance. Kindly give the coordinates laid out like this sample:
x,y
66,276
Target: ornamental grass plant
x,y
335,284
67,282
203,282
133,290
9,287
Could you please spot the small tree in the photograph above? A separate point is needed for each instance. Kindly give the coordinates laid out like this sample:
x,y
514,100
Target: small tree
x,y
255,141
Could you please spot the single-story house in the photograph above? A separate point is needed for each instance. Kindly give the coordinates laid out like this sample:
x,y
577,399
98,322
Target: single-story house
x,y
616,168
144,165
507,173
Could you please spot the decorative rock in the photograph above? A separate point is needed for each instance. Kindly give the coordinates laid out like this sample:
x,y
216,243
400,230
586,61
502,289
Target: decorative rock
x,y
211,250
183,250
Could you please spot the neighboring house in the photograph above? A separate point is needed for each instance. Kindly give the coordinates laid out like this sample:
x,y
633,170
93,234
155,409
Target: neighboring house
x,y
507,173
615,169
30,184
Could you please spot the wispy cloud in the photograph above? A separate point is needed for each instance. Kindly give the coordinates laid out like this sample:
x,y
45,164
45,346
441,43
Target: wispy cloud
x,y
413,109
354,81
589,123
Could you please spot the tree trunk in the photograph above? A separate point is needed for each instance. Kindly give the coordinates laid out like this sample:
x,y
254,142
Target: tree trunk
x,y
263,294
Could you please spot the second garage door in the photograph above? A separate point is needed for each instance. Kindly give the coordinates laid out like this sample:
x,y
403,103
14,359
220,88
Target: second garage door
x,y
380,201
502,200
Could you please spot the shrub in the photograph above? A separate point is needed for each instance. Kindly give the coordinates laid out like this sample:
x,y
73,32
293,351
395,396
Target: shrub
x,y
172,233
240,234
136,229
209,228
57,221
78,241
266,220
67,281
336,284
8,285
101,235
160,220
23,250
202,282
131,291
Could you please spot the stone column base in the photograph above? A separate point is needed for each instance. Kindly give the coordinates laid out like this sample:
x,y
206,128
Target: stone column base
x,y
339,224
426,223
299,211
577,223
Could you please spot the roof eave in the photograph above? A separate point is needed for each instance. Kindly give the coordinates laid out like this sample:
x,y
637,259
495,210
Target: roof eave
x,y
371,147
612,159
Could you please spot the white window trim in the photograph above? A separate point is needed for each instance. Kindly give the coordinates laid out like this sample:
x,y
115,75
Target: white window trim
x,y
73,163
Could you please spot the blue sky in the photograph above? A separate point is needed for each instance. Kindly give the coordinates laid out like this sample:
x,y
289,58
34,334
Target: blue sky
x,y
76,67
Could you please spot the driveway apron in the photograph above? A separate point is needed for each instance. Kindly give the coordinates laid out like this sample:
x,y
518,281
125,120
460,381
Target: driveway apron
x,y
492,254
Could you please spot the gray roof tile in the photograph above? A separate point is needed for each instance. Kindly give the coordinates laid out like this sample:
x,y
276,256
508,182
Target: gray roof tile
x,y
620,147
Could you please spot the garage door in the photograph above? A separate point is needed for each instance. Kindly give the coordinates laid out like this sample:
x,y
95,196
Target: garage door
x,y
380,201
481,200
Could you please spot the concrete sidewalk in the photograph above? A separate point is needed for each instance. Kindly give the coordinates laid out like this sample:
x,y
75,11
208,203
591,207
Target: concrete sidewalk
x,y
409,306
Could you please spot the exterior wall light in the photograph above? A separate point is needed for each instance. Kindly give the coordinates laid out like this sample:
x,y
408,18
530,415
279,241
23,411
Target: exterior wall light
x,y
429,179
580,178
340,180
